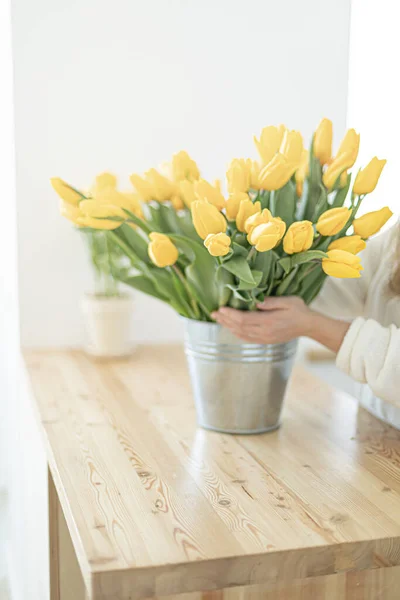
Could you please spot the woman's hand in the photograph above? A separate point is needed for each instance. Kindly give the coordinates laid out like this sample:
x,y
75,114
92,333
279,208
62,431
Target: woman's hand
x,y
278,320
281,319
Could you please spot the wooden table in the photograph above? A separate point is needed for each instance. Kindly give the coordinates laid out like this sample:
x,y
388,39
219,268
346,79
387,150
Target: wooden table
x,y
156,507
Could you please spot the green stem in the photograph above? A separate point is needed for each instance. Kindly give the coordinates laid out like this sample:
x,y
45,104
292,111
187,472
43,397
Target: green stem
x,y
251,254
193,302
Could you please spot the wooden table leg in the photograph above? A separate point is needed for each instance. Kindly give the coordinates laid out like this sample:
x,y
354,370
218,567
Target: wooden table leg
x,y
54,545
66,582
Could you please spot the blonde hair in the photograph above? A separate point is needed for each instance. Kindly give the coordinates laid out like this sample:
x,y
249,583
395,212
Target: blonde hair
x,y
394,283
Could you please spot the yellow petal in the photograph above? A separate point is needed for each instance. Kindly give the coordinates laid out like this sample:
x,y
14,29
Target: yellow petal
x,y
372,222
66,191
368,177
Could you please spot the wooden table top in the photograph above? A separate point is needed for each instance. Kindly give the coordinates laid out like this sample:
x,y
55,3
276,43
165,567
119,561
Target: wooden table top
x,y
157,506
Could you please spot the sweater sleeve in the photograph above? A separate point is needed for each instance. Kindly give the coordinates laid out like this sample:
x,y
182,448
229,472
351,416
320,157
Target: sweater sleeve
x,y
370,353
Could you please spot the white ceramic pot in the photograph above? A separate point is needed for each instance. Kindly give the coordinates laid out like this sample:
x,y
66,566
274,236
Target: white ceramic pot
x,y
108,325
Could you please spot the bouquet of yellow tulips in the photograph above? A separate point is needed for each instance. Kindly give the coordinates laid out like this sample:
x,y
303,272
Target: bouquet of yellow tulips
x,y
289,220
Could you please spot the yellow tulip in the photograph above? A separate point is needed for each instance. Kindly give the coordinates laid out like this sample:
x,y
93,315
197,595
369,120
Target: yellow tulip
x,y
350,144
186,189
97,210
276,173
343,179
299,237
246,210
292,147
206,192
233,204
177,202
302,172
342,264
372,222
267,235
270,141
123,200
207,219
98,223
322,146
368,177
66,192
218,244
351,243
162,252
70,212
104,181
217,184
344,159
257,219
143,187
184,167
238,176
254,169
333,220
163,188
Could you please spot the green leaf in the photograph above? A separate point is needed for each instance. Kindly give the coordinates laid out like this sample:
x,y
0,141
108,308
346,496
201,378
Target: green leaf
x,y
285,203
243,297
145,285
283,286
243,285
239,267
341,194
286,264
153,217
304,257
145,227
224,280
201,271
265,261
322,204
169,218
264,198
239,250
138,244
186,224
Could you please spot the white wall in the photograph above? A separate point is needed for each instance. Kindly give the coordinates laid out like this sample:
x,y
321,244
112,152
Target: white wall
x,y
121,85
374,92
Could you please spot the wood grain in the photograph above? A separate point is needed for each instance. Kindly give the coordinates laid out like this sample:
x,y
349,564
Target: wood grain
x,y
157,507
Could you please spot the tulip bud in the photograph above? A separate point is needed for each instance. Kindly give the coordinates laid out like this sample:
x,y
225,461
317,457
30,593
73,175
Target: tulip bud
x,y
162,187
218,244
246,210
254,169
104,181
333,220
372,222
184,168
93,223
267,235
322,146
299,237
342,264
270,141
206,192
92,208
368,177
276,173
233,204
143,187
186,189
292,147
238,176
70,212
177,202
111,196
351,243
162,252
66,192
345,158
207,219
264,216
302,173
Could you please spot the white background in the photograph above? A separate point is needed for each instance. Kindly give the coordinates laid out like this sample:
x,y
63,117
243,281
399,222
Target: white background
x,y
122,85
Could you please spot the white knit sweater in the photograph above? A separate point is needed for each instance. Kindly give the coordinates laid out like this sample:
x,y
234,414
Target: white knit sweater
x,y
370,352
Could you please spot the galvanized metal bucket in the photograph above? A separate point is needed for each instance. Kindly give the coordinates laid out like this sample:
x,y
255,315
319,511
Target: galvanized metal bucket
x,y
238,387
